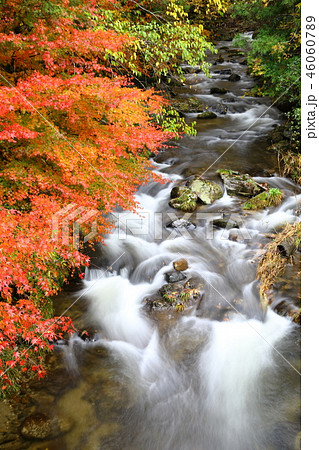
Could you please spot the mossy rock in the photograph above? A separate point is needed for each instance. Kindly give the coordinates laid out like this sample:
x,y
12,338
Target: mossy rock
x,y
239,184
187,201
234,77
206,191
267,199
174,296
188,105
207,115
177,191
218,90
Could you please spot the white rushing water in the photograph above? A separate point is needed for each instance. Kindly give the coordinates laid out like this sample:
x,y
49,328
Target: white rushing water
x,y
206,381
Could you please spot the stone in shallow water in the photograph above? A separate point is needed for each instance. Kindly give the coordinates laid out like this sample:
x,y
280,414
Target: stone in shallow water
x,y
174,277
234,77
217,90
206,191
180,265
239,184
185,202
40,426
181,224
207,115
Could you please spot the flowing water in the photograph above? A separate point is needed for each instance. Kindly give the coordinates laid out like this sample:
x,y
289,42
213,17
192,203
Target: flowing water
x,y
222,374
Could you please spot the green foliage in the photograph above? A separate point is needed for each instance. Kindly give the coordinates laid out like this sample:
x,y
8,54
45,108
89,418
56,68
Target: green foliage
x,y
159,45
275,59
170,120
272,197
241,41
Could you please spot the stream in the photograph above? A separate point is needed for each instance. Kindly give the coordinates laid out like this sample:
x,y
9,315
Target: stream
x,y
220,374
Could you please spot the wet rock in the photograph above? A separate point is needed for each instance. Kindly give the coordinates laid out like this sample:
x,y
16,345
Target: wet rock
x,y
239,184
188,105
40,426
186,202
220,59
181,224
207,115
218,90
174,277
180,265
220,108
225,222
207,191
287,308
176,296
234,77
267,199
177,191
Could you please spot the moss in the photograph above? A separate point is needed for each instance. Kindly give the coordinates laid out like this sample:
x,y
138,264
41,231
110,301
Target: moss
x,y
207,115
226,171
188,104
272,197
186,202
178,296
206,191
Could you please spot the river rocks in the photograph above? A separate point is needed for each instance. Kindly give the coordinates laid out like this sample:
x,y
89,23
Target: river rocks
x,y
267,199
180,265
218,90
40,426
207,115
239,184
177,191
181,224
220,108
234,77
188,105
207,191
176,296
225,222
187,201
199,190
174,277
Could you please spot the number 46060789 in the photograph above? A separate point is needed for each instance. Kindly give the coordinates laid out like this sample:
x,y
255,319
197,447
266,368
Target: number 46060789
x,y
310,46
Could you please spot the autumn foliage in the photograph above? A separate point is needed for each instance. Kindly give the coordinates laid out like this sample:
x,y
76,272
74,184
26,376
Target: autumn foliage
x,y
72,131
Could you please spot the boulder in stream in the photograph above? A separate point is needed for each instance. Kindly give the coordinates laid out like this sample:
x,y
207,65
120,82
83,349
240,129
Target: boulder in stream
x,y
267,199
234,77
176,296
207,115
174,277
187,201
180,265
181,224
39,426
206,191
239,184
188,105
218,90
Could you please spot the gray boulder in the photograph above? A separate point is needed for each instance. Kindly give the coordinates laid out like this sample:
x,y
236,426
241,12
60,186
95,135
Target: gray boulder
x,y
206,191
